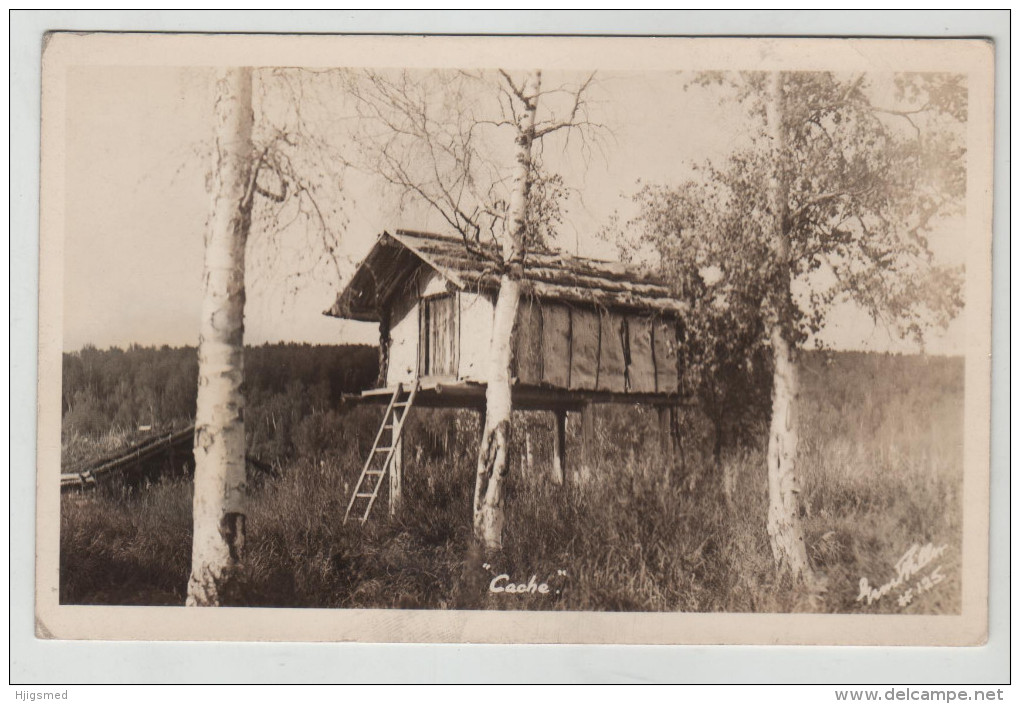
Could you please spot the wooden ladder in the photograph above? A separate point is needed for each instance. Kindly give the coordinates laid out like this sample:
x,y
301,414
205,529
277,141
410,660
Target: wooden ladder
x,y
373,474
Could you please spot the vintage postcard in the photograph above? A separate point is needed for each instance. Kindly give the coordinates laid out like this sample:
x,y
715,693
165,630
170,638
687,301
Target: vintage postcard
x,y
514,339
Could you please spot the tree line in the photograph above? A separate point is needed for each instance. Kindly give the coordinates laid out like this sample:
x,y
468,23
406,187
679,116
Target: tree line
x,y
121,389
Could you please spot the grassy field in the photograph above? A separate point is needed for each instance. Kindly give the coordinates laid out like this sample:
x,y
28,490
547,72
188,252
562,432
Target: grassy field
x,y
881,466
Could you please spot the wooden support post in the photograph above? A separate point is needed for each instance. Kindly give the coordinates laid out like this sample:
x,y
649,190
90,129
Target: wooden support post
x,y
528,461
397,467
384,348
678,440
666,440
588,438
559,459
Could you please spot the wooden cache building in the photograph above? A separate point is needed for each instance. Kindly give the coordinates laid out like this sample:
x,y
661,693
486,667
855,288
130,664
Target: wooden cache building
x,y
587,332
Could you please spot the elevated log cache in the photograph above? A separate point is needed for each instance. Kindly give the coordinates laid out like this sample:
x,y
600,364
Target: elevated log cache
x,y
584,326
587,332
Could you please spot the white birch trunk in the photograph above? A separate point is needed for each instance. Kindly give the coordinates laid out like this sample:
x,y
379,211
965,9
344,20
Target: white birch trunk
x,y
489,514
786,536
220,482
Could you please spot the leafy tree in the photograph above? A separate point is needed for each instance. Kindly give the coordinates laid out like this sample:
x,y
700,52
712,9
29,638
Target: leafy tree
x,y
833,201
726,362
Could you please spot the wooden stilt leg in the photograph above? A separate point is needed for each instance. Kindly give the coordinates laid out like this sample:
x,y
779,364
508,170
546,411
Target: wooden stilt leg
x,y
528,463
397,474
559,459
666,440
588,438
678,441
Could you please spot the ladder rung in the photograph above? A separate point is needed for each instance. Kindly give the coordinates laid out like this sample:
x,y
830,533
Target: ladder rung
x,y
365,496
383,449
401,404
389,427
374,471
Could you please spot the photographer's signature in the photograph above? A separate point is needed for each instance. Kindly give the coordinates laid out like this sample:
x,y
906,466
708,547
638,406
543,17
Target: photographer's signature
x,y
916,559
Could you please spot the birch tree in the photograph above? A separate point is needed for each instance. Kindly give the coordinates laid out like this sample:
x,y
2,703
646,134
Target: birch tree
x,y
489,511
220,478
832,203
258,184
440,139
786,536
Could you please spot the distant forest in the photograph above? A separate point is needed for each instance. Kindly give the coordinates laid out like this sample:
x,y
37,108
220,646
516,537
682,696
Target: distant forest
x,y
118,390
294,396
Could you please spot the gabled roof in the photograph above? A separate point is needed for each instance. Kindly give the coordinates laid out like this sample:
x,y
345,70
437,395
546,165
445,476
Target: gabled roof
x,y
548,274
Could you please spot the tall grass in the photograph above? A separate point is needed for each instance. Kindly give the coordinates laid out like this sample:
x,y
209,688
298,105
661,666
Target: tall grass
x,y
881,470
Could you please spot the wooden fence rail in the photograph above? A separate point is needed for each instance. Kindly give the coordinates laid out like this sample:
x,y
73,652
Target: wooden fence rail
x,y
84,475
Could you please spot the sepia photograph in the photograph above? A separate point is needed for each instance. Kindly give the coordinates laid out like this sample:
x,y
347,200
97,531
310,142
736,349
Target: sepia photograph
x,y
504,339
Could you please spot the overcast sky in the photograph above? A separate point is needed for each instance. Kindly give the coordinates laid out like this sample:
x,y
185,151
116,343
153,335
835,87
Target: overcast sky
x,y
137,202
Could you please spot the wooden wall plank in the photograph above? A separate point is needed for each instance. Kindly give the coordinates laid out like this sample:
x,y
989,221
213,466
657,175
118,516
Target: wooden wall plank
x,y
475,335
423,338
641,370
404,338
612,362
664,340
528,342
439,320
435,342
555,345
584,348
447,319
441,326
